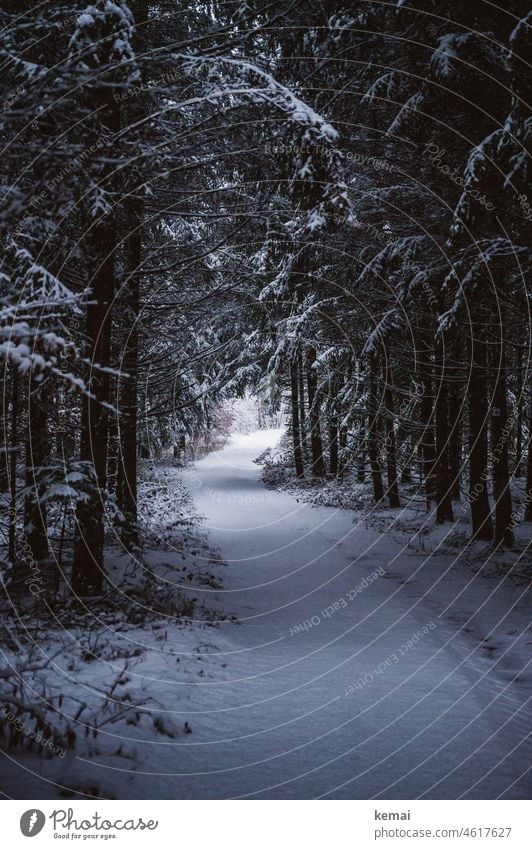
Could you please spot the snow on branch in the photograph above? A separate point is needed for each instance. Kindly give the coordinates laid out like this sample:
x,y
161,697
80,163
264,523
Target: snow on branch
x,y
271,91
406,113
103,36
454,48
390,324
402,250
384,87
28,339
45,288
471,271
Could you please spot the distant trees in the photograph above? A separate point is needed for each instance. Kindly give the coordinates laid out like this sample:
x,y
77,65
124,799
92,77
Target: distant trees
x,y
435,163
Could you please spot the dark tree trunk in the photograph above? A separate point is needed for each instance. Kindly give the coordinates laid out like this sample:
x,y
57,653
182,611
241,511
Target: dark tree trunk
x,y
454,451
296,428
87,574
316,445
37,452
87,571
519,422
12,536
478,442
333,427
342,444
4,433
500,435
113,448
373,438
361,460
427,447
302,408
333,448
528,493
391,458
135,110
127,467
444,507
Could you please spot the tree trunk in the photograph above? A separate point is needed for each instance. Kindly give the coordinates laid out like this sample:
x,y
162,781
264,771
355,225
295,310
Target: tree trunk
x,y
391,458
361,462
373,432
4,433
12,536
37,451
296,428
127,467
427,447
478,445
518,462
113,447
500,435
528,493
454,450
342,444
444,507
87,572
302,409
134,110
316,445
333,447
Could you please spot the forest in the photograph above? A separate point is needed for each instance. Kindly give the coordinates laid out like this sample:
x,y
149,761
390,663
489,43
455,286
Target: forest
x,y
299,216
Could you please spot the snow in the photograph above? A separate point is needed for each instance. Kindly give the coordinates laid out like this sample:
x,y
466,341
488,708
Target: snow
x,y
520,30
85,20
390,323
445,56
299,111
384,86
316,220
406,113
359,667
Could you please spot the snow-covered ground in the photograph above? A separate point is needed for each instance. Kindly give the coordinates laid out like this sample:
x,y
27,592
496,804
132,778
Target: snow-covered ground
x,y
358,667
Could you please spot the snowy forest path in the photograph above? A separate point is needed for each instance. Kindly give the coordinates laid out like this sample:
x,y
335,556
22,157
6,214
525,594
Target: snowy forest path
x,y
339,678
